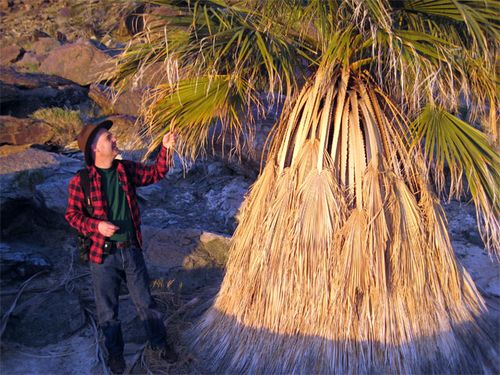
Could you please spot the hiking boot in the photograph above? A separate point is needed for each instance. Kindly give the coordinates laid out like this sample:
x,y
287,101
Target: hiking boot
x,y
116,364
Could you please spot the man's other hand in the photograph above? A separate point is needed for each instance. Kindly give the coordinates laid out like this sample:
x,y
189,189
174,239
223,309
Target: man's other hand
x,y
169,140
106,228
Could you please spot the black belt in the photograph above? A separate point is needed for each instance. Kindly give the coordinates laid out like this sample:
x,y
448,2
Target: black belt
x,y
111,246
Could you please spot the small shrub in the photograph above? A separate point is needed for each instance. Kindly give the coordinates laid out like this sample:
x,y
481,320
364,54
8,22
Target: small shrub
x,y
65,123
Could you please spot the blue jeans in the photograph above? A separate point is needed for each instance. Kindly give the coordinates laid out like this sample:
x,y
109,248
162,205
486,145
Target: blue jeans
x,y
125,265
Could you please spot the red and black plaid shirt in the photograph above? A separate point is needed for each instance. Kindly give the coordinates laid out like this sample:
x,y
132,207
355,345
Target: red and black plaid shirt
x,y
130,175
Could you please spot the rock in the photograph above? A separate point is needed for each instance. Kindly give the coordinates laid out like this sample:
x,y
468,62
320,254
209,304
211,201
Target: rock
x,y
128,102
166,248
16,264
37,33
186,259
6,150
44,45
9,93
211,252
6,4
31,160
10,54
22,202
29,63
52,196
61,37
64,12
79,62
27,92
46,319
151,193
159,218
23,131
493,286
9,76
226,202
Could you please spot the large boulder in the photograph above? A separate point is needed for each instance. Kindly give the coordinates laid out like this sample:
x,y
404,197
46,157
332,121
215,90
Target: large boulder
x,y
128,102
166,248
23,202
23,93
185,259
19,131
80,62
9,76
212,252
51,196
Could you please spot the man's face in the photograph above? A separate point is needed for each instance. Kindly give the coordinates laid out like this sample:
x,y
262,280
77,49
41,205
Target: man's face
x,y
104,145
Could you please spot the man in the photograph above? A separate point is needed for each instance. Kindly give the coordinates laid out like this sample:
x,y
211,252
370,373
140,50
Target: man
x,y
114,230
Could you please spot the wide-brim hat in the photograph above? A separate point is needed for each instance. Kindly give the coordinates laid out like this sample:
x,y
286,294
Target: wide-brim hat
x,y
87,135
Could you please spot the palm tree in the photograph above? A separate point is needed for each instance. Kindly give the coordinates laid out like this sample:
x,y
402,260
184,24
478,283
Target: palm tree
x,y
341,261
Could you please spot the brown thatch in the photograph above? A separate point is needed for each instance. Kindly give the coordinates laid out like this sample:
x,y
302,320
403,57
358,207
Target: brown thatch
x,y
342,262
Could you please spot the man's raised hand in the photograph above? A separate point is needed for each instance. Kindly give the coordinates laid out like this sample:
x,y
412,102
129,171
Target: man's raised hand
x,y
169,140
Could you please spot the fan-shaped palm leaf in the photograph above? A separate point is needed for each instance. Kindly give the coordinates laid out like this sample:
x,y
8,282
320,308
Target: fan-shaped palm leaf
x,y
451,142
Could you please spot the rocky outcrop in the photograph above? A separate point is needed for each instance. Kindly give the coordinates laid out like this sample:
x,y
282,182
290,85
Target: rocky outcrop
x,y
23,93
17,131
29,193
80,62
127,102
9,76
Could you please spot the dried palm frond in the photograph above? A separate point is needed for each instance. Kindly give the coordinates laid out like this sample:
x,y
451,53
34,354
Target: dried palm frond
x,y
337,264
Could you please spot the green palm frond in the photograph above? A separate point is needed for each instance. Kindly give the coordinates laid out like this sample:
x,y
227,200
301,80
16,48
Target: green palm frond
x,y
450,142
426,54
191,107
207,39
480,17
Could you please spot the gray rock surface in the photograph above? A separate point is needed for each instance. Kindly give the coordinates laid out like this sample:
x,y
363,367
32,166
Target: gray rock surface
x,y
46,319
20,264
33,186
